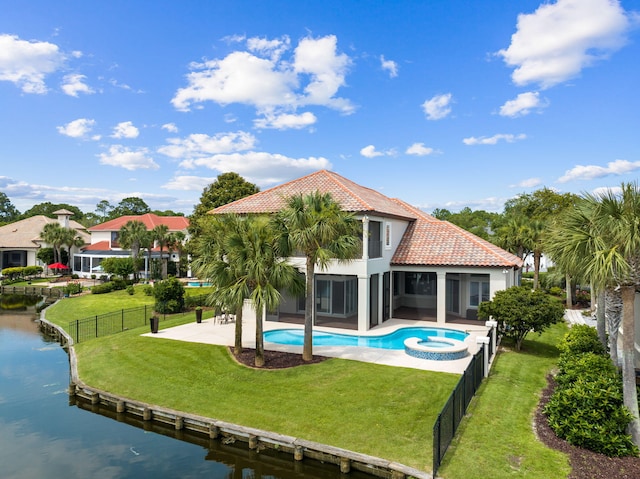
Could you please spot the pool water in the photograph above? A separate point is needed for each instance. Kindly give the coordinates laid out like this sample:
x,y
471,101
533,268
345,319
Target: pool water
x,y
198,283
395,340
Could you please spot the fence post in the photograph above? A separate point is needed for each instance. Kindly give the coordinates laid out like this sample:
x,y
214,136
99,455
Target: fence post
x,y
96,325
122,321
484,340
493,329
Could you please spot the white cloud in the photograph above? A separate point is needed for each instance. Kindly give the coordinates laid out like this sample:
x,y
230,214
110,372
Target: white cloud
x,y
390,66
74,84
127,158
492,140
522,104
438,107
527,183
370,152
199,145
77,128
125,129
170,127
590,172
27,63
273,85
264,169
419,149
286,121
559,39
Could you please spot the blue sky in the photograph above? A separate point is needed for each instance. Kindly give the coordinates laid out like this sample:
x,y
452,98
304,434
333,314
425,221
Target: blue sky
x,y
442,103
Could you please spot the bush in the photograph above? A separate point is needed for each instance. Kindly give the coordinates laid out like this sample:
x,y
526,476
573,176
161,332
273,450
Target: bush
x,y
581,339
102,288
72,288
148,290
169,295
590,414
556,291
587,366
130,290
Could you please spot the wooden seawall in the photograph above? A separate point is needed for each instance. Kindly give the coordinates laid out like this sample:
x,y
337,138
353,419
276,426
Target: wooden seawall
x,y
224,432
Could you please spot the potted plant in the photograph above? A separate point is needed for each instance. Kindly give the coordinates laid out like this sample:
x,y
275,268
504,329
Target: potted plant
x,y
198,314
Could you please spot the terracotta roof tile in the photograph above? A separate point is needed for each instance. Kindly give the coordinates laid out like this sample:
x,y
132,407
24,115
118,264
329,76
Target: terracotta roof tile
x,y
351,196
150,220
429,241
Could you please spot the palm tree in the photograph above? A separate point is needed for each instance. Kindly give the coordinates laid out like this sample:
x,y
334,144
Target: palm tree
x,y
132,236
607,248
241,261
176,243
161,237
315,225
52,233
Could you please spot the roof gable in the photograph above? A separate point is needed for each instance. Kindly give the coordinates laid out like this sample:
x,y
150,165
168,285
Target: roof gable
x,y
150,220
351,197
26,233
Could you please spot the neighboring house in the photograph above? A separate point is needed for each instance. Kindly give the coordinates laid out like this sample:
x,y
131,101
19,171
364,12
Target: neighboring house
x,y
20,241
104,242
413,266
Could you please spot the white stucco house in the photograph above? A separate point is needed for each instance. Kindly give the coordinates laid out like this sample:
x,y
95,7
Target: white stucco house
x,y
412,266
20,241
104,243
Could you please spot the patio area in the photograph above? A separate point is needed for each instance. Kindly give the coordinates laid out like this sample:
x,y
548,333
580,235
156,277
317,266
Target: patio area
x,y
212,332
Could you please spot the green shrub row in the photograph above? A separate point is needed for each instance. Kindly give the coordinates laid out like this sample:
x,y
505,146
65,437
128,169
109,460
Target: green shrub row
x,y
109,286
586,408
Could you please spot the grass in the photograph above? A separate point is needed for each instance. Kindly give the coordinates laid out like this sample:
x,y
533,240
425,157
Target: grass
x,y
496,438
379,410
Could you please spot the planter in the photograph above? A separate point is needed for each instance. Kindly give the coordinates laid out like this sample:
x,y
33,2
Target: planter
x,y
154,321
198,315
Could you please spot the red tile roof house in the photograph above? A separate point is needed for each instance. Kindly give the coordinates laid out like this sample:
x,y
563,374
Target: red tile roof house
x,y
104,242
413,266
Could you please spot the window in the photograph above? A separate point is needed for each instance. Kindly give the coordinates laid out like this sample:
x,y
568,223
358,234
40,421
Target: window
x,y
337,296
375,243
387,236
479,290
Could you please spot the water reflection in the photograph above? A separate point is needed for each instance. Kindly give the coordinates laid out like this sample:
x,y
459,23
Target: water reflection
x,y
43,437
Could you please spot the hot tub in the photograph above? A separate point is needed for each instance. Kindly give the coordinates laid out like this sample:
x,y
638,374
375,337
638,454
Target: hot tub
x,y
435,348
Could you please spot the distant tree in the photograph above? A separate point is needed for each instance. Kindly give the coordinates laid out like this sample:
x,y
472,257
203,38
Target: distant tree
x,y
103,209
519,311
442,214
167,213
8,212
479,222
132,236
45,255
91,219
228,187
47,209
161,237
130,206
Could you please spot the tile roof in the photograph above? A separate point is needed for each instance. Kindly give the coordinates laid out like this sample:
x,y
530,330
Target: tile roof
x,y
427,241
150,220
26,233
430,241
351,196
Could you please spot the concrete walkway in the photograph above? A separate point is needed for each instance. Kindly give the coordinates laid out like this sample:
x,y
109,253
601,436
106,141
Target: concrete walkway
x,y
210,332
575,316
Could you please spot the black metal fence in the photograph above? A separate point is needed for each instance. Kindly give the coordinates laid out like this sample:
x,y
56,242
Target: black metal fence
x,y
118,321
455,408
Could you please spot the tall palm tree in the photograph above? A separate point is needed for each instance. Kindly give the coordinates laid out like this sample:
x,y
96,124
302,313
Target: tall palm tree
x,y
608,249
242,263
315,225
132,235
161,237
52,233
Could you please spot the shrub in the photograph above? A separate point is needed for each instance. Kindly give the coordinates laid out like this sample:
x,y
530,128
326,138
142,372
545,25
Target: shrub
x,y
581,339
72,287
169,295
130,290
148,290
590,414
102,288
119,283
556,291
587,366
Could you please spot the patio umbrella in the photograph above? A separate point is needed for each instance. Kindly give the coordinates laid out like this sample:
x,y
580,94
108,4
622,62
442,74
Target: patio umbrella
x,y
58,266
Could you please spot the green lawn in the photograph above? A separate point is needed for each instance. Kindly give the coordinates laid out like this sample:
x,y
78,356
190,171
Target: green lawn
x,y
496,438
379,410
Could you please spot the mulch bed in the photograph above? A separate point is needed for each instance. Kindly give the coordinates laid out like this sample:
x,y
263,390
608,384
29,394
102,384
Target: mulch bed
x,y
274,359
584,464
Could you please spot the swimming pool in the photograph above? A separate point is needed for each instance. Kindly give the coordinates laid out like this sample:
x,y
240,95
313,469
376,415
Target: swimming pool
x,y
198,283
395,340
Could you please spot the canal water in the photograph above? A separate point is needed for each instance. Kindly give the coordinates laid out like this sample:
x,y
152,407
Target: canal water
x,y
45,434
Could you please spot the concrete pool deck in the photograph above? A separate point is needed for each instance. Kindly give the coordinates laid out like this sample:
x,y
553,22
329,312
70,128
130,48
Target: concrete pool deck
x,y
210,332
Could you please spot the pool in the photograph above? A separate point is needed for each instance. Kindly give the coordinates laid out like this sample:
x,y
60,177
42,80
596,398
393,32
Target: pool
x,y
198,283
395,340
